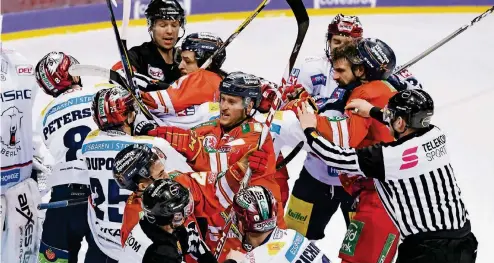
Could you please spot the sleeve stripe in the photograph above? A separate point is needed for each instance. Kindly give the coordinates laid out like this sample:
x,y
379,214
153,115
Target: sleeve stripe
x,y
335,156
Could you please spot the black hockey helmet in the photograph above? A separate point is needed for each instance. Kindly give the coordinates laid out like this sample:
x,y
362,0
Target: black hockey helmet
x,y
415,106
243,85
165,9
377,57
166,202
204,44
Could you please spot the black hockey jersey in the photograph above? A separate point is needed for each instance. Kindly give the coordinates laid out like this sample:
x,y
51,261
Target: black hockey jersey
x,y
147,60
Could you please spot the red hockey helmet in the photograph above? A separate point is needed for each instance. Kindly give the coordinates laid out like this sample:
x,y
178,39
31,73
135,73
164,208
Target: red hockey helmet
x,y
255,208
349,26
52,73
111,107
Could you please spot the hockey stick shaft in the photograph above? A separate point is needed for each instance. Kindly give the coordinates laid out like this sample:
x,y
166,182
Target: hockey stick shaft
x,y
126,63
125,21
236,33
302,18
444,40
290,156
64,203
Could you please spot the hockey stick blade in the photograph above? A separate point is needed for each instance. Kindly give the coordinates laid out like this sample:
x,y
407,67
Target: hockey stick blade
x,y
290,156
302,18
64,203
96,71
236,33
444,41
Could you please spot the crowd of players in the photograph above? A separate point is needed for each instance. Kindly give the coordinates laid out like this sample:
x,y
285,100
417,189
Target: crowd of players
x,y
160,190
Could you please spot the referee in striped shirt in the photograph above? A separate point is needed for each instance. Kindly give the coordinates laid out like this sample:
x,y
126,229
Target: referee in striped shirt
x,y
413,177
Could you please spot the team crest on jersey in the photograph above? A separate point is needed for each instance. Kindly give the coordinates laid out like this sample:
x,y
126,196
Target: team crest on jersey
x,y
12,118
156,73
210,143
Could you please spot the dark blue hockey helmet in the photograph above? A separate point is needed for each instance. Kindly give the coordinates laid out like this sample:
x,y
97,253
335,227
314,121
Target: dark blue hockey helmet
x,y
133,163
243,85
377,57
204,44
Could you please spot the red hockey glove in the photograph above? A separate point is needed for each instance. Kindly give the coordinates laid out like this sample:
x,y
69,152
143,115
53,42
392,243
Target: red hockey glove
x,y
268,90
294,105
294,92
257,160
184,141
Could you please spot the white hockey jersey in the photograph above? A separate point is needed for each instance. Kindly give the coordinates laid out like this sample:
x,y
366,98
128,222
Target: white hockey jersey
x,y
64,124
286,245
316,76
107,200
18,90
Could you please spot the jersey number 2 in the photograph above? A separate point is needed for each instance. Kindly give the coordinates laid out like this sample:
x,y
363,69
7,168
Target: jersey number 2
x,y
114,198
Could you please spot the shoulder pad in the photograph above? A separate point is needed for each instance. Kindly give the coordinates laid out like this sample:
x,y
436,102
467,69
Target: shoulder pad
x,y
93,134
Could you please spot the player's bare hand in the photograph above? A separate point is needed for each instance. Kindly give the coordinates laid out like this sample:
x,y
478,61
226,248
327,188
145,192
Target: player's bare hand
x,y
307,119
360,107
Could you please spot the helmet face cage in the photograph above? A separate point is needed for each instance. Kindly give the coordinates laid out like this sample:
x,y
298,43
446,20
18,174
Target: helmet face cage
x,y
52,73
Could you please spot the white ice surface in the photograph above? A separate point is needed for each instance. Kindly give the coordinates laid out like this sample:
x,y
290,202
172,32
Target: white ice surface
x,y
459,77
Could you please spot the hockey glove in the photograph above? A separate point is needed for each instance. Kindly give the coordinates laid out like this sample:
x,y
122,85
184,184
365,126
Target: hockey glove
x,y
184,141
294,105
268,96
257,160
191,243
294,92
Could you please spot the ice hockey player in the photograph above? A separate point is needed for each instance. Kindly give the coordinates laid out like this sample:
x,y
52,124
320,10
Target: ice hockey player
x,y
318,193
435,227
167,204
256,216
155,59
182,104
364,66
64,124
114,111
19,193
225,144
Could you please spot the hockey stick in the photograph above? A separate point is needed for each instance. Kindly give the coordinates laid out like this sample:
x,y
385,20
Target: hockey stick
x,y
302,18
125,21
63,203
236,33
290,156
444,41
126,64
416,59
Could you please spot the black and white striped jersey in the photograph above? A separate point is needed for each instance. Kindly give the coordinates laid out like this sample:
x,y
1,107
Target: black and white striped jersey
x,y
413,177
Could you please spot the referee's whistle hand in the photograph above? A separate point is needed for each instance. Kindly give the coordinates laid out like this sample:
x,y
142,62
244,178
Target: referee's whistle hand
x,y
307,119
360,107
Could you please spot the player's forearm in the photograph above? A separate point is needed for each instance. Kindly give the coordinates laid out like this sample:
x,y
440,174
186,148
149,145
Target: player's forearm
x,y
377,114
343,159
